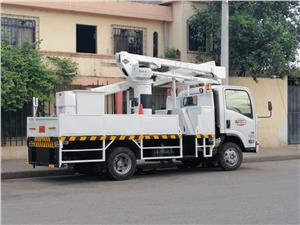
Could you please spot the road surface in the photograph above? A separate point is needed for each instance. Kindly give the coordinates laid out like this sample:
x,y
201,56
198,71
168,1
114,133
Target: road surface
x,y
257,193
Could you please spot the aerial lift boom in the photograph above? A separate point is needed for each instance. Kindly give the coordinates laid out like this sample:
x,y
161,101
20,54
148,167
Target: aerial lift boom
x,y
141,73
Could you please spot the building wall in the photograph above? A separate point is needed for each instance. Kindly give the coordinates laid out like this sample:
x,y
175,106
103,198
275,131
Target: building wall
x,y
272,132
57,30
178,33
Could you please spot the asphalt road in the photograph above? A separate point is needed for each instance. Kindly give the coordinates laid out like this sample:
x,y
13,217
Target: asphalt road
x,y
258,193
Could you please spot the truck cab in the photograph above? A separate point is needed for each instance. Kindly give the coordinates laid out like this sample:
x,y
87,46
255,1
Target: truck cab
x,y
236,118
227,111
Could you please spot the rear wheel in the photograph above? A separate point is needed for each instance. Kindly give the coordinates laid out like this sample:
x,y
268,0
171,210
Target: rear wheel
x,y
121,163
230,156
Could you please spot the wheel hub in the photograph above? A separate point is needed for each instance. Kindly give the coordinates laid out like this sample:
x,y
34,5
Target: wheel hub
x,y
231,157
122,163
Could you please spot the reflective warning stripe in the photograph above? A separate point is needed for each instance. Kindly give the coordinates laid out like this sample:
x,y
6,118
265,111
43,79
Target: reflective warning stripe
x,y
131,137
82,138
46,139
40,144
72,138
102,138
93,138
43,142
205,136
120,137
52,142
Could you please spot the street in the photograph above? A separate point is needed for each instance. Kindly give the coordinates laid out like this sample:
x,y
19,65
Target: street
x,y
257,193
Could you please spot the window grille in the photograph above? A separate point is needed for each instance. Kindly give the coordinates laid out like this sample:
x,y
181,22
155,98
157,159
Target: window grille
x,y
17,31
130,40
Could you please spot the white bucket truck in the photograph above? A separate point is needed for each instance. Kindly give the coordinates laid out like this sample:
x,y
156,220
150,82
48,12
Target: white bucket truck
x,y
203,121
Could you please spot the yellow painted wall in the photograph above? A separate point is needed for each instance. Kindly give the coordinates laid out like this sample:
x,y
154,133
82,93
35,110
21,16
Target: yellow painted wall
x,y
272,132
57,30
178,33
97,67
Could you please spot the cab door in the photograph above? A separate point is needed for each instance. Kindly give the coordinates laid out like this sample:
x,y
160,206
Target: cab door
x,y
240,119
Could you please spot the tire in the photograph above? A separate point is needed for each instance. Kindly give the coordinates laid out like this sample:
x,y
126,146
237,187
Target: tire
x,y
230,156
89,169
121,163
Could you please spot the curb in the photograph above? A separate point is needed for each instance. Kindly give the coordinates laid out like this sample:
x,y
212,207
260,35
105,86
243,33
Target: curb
x,y
62,172
272,158
37,173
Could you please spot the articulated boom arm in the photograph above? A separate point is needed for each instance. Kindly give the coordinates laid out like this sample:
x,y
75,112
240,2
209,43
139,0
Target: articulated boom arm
x,y
140,69
141,74
113,88
144,67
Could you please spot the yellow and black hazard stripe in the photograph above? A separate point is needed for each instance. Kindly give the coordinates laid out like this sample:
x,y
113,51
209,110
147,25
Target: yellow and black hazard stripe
x,y
43,142
44,145
199,136
120,137
52,142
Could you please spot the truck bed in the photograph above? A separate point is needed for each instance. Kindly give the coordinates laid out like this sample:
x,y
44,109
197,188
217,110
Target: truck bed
x,y
80,125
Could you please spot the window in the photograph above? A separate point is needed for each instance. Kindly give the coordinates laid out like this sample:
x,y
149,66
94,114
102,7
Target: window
x,y
190,101
155,44
196,40
86,38
239,101
130,40
17,31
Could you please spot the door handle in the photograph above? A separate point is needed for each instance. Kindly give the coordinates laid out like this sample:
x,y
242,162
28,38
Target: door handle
x,y
227,124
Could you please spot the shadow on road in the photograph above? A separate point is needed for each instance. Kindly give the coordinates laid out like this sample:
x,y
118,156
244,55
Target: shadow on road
x,y
153,173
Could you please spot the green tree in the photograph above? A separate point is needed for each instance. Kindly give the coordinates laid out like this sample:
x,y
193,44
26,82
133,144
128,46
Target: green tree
x,y
263,36
25,73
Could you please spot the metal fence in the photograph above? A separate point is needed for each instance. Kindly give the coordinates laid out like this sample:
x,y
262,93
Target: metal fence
x,y
13,124
293,114
13,127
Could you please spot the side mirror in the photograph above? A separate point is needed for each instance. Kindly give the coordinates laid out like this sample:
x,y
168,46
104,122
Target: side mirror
x,y
270,106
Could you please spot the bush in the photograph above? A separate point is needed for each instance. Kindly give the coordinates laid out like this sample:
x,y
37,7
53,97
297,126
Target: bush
x,y
172,53
24,74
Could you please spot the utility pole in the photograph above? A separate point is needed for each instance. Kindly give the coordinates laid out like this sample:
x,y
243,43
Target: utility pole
x,y
225,39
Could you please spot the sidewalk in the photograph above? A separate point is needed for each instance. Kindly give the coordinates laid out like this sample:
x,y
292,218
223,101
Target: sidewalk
x,y
18,169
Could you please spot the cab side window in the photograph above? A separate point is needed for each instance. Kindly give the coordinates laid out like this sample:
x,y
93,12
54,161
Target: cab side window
x,y
239,101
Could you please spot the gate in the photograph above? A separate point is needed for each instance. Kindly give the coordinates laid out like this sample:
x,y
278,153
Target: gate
x,y
293,114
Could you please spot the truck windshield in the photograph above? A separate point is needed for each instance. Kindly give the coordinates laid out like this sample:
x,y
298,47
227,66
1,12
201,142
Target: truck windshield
x,y
239,101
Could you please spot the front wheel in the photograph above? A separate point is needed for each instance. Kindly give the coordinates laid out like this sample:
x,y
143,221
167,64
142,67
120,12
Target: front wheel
x,y
121,163
230,156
